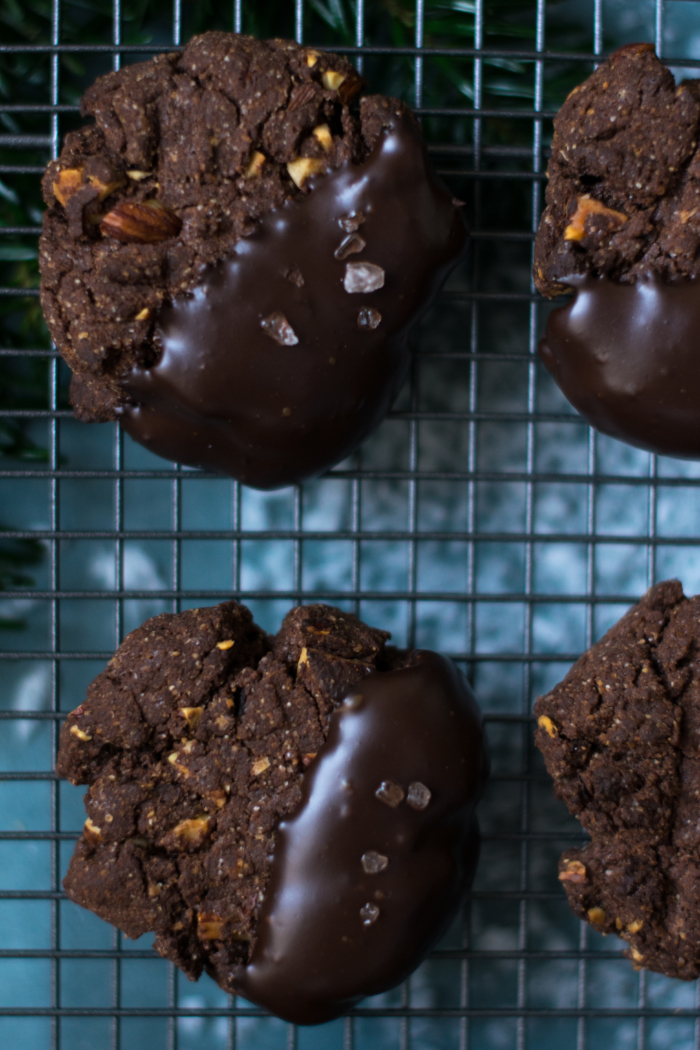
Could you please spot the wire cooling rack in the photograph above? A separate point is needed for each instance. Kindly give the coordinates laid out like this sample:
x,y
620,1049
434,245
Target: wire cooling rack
x,y
484,519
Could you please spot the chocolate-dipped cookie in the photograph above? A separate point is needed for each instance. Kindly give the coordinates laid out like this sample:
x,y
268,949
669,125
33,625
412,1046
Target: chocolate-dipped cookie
x,y
621,739
235,251
622,230
294,815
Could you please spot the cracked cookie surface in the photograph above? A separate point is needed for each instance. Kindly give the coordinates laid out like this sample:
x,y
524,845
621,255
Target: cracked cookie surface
x,y
186,154
621,738
623,191
193,742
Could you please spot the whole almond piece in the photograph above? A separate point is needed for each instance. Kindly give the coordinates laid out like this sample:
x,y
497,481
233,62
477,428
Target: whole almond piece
x,y
144,222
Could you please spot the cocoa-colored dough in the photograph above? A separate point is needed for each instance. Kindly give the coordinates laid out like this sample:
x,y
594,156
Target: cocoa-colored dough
x,y
193,742
208,134
621,738
623,196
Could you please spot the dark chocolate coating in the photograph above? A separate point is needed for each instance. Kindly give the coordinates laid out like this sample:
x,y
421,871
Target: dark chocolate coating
x,y
627,356
227,395
315,957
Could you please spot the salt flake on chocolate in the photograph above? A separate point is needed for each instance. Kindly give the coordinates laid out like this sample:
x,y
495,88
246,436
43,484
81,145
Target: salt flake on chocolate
x,y
369,913
278,328
368,317
363,277
373,862
390,793
418,795
350,223
353,244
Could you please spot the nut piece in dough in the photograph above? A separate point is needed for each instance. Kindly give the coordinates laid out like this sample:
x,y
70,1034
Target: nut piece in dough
x,y
303,168
585,207
625,761
145,223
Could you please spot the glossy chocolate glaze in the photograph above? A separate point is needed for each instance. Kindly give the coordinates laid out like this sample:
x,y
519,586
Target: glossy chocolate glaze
x,y
272,378
363,885
627,356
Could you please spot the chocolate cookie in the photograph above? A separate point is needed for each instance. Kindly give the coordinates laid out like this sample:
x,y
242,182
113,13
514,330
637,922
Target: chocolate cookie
x,y
621,738
303,891
235,251
622,229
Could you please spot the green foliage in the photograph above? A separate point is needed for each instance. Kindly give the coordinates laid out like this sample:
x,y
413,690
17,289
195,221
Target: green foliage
x,y
448,81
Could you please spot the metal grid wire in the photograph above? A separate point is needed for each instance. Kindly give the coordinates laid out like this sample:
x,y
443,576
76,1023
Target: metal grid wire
x,y
519,970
